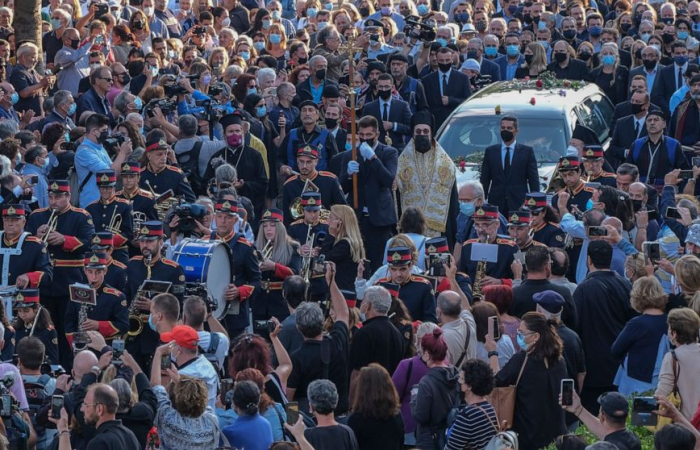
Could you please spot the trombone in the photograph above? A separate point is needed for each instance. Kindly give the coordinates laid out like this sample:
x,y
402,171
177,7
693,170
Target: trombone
x,y
306,260
50,226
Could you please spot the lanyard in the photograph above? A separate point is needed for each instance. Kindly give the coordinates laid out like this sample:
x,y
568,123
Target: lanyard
x,y
653,155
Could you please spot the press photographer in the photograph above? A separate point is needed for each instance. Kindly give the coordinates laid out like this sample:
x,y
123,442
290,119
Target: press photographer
x,y
13,405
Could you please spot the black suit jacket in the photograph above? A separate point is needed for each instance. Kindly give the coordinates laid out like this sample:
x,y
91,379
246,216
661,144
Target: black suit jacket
x,y
304,89
622,138
508,192
665,86
399,114
641,71
373,183
458,90
341,137
624,109
575,70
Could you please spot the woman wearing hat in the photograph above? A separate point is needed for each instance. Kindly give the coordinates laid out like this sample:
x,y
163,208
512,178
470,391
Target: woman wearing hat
x,y
279,258
34,320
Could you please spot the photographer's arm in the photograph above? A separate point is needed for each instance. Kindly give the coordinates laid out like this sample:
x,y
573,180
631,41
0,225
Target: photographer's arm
x,y
284,366
451,275
172,132
422,58
215,326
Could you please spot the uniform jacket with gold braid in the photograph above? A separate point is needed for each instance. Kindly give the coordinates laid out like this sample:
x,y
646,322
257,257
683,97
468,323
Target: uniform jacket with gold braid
x,y
550,235
168,178
500,269
328,187
110,311
418,296
245,270
102,213
34,262
579,197
269,301
76,226
142,201
297,231
47,336
116,275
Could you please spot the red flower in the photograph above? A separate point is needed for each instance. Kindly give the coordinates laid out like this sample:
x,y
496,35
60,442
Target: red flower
x,y
538,83
532,101
462,165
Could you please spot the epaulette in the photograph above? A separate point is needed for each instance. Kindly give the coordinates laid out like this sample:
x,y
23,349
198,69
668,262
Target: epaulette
x,y
119,264
146,194
297,222
136,258
174,169
383,280
96,201
534,242
39,210
421,279
122,200
170,262
34,239
245,241
327,174
80,210
323,221
554,224
470,241
589,189
292,178
505,241
608,174
112,291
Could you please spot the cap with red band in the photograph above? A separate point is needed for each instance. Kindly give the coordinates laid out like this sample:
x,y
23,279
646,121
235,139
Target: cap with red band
x,y
436,245
272,215
26,298
311,200
227,206
59,186
106,178
131,168
593,152
569,163
103,239
13,210
519,218
350,298
95,260
153,229
308,150
399,256
486,212
156,144
183,335
393,288
535,201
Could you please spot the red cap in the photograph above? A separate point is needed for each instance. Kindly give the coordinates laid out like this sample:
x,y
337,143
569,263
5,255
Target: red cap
x,y
183,335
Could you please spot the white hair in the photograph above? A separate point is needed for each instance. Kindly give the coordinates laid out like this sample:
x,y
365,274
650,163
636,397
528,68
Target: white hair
x,y
476,185
378,298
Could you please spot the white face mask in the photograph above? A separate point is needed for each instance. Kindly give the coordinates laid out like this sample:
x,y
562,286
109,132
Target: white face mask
x,y
148,11
226,22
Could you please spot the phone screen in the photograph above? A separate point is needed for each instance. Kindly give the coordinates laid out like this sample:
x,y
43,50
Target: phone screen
x,y
56,406
597,231
494,329
567,392
685,174
292,410
165,362
642,414
672,213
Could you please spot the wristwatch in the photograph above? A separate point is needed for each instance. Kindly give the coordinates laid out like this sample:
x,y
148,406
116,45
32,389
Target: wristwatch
x,y
96,370
493,353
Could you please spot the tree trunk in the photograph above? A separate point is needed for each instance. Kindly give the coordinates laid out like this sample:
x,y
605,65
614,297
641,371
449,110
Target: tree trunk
x,y
27,22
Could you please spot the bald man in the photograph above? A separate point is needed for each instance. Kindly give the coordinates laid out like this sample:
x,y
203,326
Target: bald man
x,y
647,230
458,326
619,256
85,372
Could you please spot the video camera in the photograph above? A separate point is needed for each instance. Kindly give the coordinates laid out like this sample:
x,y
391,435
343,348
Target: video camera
x,y
52,370
188,213
423,31
212,112
113,142
166,106
7,402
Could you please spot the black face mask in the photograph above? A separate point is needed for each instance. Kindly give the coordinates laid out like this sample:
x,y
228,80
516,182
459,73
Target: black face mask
x,y
303,60
585,56
528,59
560,57
649,64
444,67
638,53
667,38
507,135
331,123
636,205
103,137
625,27
636,108
385,95
138,25
527,18
569,34
364,12
321,74
125,79
74,43
369,142
695,17
422,143
480,25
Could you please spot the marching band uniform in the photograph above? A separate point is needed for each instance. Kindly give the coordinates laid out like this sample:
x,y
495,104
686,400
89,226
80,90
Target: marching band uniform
x,y
104,212
27,298
579,194
595,152
550,234
169,178
142,203
439,245
116,271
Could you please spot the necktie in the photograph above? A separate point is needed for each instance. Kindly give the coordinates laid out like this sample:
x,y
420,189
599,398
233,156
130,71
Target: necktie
x,y
637,129
385,116
444,84
679,81
506,163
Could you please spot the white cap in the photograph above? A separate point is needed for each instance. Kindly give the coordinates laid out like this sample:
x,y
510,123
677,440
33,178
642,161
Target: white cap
x,y
471,64
115,4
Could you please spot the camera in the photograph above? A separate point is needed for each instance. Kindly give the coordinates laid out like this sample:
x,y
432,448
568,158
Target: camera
x,y
199,30
215,90
268,325
188,213
112,143
52,370
173,89
416,29
318,266
435,262
166,106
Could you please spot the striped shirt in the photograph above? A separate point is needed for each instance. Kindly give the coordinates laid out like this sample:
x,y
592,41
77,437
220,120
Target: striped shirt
x,y
473,429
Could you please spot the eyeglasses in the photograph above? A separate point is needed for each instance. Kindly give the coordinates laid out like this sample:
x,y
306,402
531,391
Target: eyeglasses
x,y
108,80
520,333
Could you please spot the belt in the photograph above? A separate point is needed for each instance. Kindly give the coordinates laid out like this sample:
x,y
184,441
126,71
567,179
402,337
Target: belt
x,y
68,263
271,285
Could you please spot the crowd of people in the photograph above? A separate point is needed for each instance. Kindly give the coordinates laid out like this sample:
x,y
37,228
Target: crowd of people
x,y
230,225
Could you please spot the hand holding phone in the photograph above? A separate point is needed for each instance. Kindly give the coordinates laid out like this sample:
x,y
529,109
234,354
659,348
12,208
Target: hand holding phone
x,y
165,362
292,410
567,392
56,406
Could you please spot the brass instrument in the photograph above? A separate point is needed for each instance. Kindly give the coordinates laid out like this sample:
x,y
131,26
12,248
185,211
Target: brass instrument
x,y
135,321
81,338
162,205
266,252
139,218
50,226
296,209
36,319
477,295
115,223
306,260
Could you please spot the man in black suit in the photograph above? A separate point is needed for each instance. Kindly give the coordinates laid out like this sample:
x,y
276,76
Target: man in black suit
x,y
445,88
629,129
331,118
650,68
670,78
565,67
624,109
318,65
391,112
509,170
376,169
410,89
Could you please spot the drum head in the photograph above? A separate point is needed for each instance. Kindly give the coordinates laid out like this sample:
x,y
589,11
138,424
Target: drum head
x,y
219,277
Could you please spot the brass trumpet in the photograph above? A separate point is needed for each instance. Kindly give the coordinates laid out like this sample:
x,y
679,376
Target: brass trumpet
x,y
50,226
296,209
162,205
139,218
115,223
135,321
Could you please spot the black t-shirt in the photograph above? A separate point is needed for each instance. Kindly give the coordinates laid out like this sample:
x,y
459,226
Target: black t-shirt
x,y
337,437
378,341
51,45
307,365
624,440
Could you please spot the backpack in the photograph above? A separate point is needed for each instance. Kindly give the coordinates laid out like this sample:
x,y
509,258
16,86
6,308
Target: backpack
x,y
191,168
76,187
210,352
36,398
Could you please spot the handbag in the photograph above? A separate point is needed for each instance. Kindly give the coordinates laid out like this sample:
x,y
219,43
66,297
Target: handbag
x,y
503,400
674,397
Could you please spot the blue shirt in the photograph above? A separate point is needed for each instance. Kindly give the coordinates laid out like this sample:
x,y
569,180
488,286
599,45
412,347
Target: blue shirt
x,y
511,68
650,78
442,78
41,189
89,158
10,114
678,97
317,91
249,432
503,153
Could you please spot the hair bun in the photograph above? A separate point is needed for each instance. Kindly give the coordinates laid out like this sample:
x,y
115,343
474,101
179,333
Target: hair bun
x,y
437,332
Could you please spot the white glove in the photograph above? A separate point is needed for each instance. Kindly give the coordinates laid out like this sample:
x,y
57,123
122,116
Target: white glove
x,y
353,167
366,151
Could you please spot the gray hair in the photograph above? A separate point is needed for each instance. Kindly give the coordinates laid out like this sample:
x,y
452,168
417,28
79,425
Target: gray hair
x,y
64,15
5,9
490,37
8,128
310,319
124,393
315,59
26,48
266,73
61,97
188,125
225,173
448,28
423,329
378,298
449,303
476,185
323,35
323,395
478,42
121,102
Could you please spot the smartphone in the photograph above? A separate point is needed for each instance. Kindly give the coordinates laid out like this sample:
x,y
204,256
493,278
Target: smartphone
x,y
597,231
685,175
672,213
292,410
56,406
99,39
6,406
494,328
165,362
696,161
436,261
567,392
34,179
68,146
102,9
642,414
652,214
652,250
520,257
117,348
226,387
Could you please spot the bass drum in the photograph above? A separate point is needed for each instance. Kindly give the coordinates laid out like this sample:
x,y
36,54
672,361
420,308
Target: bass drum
x,y
206,263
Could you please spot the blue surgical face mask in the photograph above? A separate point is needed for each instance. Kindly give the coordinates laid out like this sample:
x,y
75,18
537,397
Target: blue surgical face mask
x,y
276,15
252,91
266,24
206,80
646,36
521,342
260,111
311,12
138,103
542,25
608,60
14,98
680,60
467,209
544,44
46,165
275,38
153,326
513,50
423,10
589,204
682,35
491,51
141,131
244,55
321,25
442,42
259,45
56,24
72,108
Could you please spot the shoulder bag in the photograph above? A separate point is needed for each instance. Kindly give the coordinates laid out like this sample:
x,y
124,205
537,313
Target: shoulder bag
x,y
503,400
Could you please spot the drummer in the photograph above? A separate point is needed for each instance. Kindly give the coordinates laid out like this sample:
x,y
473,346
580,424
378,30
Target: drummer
x,y
279,258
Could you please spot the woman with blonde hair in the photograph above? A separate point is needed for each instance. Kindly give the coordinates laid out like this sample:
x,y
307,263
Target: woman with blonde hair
x,y
611,76
635,267
687,272
218,60
535,61
585,53
343,245
642,344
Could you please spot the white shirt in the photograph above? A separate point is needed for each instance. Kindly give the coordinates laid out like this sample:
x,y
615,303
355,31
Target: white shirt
x,y
221,351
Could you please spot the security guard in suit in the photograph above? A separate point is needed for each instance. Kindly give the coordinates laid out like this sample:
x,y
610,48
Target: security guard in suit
x,y
415,291
245,267
25,300
327,183
103,242
109,316
269,302
434,247
311,224
593,161
161,177
150,266
71,233
570,171
544,230
142,201
113,214
486,223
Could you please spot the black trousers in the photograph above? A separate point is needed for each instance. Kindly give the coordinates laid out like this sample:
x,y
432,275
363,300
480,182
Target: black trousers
x,y
57,307
375,239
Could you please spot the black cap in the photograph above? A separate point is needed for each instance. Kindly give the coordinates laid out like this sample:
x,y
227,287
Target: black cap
x,y
308,103
614,404
657,112
398,57
585,134
330,91
376,65
422,118
373,23
551,301
231,119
